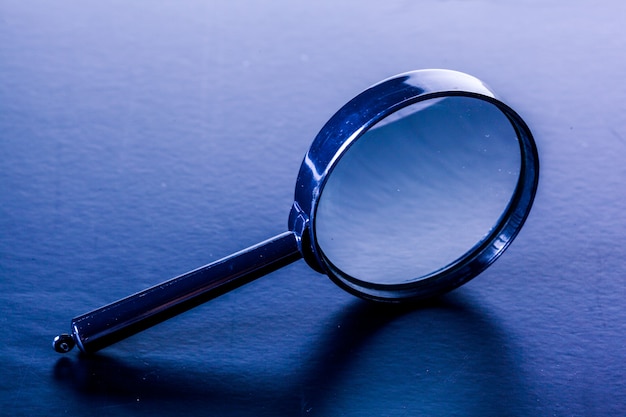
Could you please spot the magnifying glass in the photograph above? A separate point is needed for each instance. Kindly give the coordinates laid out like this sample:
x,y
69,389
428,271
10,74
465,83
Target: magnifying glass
x,y
410,190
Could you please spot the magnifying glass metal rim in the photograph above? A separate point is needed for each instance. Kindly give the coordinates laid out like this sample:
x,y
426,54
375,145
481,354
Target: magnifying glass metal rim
x,y
350,123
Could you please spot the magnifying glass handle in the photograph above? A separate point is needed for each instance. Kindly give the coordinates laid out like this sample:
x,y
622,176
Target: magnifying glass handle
x,y
114,322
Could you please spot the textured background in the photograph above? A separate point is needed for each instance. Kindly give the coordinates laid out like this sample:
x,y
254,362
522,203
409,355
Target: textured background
x,y
142,139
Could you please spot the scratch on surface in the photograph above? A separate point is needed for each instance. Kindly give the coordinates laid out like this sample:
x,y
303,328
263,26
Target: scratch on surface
x,y
452,378
26,373
618,136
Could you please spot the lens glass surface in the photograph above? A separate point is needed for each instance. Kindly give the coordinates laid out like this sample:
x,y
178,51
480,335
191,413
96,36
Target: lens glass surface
x,y
418,191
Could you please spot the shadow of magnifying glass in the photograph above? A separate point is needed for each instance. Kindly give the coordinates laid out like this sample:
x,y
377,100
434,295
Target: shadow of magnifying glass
x,y
448,357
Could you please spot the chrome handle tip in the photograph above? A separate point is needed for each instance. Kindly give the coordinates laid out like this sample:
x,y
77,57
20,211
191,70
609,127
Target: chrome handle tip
x,y
63,343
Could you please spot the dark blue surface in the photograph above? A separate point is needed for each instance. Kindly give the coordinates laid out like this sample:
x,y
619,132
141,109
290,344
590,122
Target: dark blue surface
x,y
139,140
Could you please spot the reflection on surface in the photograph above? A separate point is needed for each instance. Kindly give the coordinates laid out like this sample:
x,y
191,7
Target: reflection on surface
x,y
365,353
418,190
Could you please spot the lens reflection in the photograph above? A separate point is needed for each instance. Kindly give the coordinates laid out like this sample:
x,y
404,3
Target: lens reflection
x,y
418,190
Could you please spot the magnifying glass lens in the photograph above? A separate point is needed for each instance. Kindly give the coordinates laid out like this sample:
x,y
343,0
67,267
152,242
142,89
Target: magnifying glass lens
x,y
418,191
